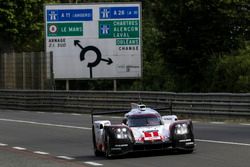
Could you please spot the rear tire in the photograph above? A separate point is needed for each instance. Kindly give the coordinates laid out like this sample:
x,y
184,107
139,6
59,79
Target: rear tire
x,y
107,148
96,151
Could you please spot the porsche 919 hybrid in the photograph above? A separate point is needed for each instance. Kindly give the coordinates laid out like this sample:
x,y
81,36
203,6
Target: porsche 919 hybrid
x,y
142,129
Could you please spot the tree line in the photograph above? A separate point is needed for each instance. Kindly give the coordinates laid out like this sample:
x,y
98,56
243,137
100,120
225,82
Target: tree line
x,y
188,45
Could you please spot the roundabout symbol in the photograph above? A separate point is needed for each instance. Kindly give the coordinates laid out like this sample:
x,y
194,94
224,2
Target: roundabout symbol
x,y
98,56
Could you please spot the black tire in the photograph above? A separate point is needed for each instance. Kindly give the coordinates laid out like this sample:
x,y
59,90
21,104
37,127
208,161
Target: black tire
x,y
107,148
96,151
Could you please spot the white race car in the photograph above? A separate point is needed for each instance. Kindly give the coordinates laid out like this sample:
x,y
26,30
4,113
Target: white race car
x,y
141,129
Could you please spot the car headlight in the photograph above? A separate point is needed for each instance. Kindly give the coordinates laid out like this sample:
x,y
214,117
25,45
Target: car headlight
x,y
121,133
181,129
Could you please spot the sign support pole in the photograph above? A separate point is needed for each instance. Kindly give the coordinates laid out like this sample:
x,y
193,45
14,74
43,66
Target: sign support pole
x,y
115,85
67,85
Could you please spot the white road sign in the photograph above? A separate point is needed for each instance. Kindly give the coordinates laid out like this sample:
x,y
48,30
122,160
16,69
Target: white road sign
x,y
100,40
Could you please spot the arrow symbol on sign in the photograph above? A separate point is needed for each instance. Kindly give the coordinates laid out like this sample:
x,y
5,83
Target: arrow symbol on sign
x,y
77,42
109,61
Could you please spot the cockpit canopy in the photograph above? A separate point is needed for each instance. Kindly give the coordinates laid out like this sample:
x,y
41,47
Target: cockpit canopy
x,y
144,120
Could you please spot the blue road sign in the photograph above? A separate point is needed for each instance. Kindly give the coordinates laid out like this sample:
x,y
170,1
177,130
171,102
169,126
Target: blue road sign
x,y
118,12
69,15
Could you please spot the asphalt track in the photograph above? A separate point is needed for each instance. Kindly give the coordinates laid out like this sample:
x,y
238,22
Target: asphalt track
x,y
37,139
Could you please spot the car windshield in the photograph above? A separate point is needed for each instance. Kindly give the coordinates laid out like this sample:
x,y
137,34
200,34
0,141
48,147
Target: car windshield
x,y
144,120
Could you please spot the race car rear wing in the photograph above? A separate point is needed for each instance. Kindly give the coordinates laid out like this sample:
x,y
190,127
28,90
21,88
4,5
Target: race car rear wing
x,y
133,105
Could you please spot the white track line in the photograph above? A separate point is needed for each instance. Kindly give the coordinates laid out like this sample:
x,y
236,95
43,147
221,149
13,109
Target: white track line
x,y
217,123
57,113
222,142
3,145
245,124
41,153
93,163
65,157
196,121
45,124
76,114
97,116
19,148
40,112
117,117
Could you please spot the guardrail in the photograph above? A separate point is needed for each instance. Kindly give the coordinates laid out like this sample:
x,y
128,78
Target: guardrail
x,y
86,101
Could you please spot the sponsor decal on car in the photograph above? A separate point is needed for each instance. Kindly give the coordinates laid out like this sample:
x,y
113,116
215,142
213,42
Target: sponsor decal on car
x,y
151,135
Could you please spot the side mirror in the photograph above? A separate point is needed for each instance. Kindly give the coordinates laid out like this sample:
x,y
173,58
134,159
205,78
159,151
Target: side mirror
x,y
101,126
124,121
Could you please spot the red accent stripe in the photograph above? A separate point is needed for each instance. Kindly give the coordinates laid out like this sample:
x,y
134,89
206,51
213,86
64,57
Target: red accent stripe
x,y
147,134
156,133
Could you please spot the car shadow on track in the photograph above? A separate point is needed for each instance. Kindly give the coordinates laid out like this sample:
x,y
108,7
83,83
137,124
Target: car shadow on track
x,y
132,155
